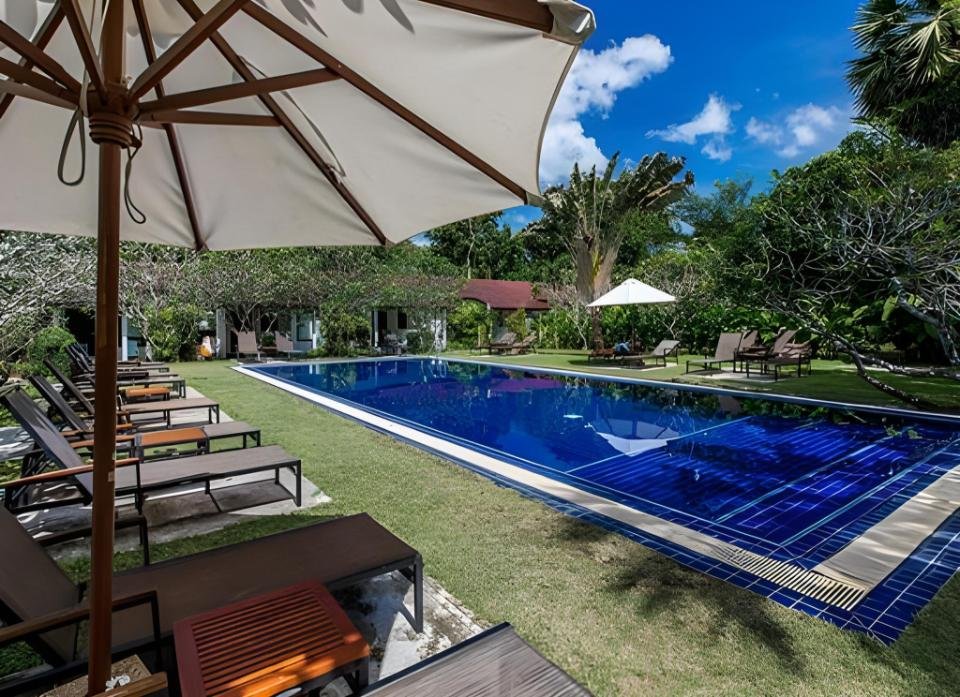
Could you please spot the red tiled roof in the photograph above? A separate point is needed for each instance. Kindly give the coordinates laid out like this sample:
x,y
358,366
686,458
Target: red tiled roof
x,y
503,295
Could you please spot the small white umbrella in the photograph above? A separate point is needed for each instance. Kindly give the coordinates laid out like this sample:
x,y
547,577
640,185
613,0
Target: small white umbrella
x,y
633,292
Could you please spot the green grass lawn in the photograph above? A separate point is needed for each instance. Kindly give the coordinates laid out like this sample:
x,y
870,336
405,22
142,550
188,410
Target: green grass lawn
x,y
621,619
833,380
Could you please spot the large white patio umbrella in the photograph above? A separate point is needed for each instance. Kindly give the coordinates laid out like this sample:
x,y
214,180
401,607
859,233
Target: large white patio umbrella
x,y
263,123
633,292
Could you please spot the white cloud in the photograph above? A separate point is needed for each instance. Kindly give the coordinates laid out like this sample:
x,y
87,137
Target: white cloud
x,y
714,119
593,84
717,149
808,127
763,132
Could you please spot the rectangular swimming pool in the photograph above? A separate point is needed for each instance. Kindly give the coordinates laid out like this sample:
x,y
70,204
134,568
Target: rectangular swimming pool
x,y
787,498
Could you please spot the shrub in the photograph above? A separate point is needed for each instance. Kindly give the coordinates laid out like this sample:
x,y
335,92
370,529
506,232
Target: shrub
x,y
51,343
343,331
516,322
468,325
268,340
562,329
174,332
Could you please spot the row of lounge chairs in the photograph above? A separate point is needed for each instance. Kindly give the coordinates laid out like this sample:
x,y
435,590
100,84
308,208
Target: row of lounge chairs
x,y
638,358
247,345
41,606
745,352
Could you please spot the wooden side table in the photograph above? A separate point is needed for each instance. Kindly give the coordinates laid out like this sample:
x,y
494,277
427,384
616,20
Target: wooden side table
x,y
295,637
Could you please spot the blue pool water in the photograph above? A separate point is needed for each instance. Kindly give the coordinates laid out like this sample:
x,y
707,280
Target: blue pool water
x,y
790,481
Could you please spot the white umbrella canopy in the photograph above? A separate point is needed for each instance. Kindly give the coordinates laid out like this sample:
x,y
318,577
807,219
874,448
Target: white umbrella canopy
x,y
388,117
633,292
263,123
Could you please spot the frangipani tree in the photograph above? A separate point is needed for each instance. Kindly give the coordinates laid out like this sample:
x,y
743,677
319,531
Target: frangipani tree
x,y
595,211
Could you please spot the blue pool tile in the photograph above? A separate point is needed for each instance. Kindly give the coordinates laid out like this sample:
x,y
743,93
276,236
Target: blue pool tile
x,y
773,479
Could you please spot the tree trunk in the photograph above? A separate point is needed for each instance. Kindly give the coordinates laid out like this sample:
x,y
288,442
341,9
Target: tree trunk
x,y
597,332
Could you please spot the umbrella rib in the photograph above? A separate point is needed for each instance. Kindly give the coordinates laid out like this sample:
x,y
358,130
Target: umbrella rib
x,y
208,118
224,93
88,53
24,75
30,51
146,36
286,32
10,88
44,34
526,13
203,27
270,103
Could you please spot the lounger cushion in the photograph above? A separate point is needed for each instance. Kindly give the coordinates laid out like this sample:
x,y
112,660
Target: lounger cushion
x,y
335,552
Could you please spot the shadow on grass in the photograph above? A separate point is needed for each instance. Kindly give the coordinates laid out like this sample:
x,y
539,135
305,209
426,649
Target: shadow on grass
x,y
929,646
659,585
666,587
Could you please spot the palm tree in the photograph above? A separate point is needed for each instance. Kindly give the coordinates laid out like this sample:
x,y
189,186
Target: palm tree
x,y
909,73
594,211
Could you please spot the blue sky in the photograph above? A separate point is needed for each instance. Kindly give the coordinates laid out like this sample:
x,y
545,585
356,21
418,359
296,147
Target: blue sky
x,y
738,88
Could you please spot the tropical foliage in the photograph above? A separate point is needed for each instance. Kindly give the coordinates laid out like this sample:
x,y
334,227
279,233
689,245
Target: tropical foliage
x,y
909,73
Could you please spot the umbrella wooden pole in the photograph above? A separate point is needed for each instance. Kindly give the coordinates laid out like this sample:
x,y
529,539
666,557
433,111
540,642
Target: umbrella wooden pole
x,y
110,129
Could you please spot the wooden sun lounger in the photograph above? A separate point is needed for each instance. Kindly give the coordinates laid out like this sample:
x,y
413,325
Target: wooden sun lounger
x,y
662,351
504,343
726,352
133,477
174,381
131,362
43,607
493,663
757,352
81,430
167,407
83,364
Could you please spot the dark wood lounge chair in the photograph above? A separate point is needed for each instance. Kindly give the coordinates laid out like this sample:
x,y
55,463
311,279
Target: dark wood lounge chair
x,y
504,343
247,344
161,410
753,351
174,381
491,664
82,363
132,477
726,352
525,346
79,430
660,353
43,607
600,352
790,356
285,345
131,362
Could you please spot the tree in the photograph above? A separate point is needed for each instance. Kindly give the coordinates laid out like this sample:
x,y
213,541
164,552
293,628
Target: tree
x,y
843,259
909,73
162,291
38,275
712,218
595,212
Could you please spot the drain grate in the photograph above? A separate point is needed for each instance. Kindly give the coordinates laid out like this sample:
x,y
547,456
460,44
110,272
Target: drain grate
x,y
796,578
